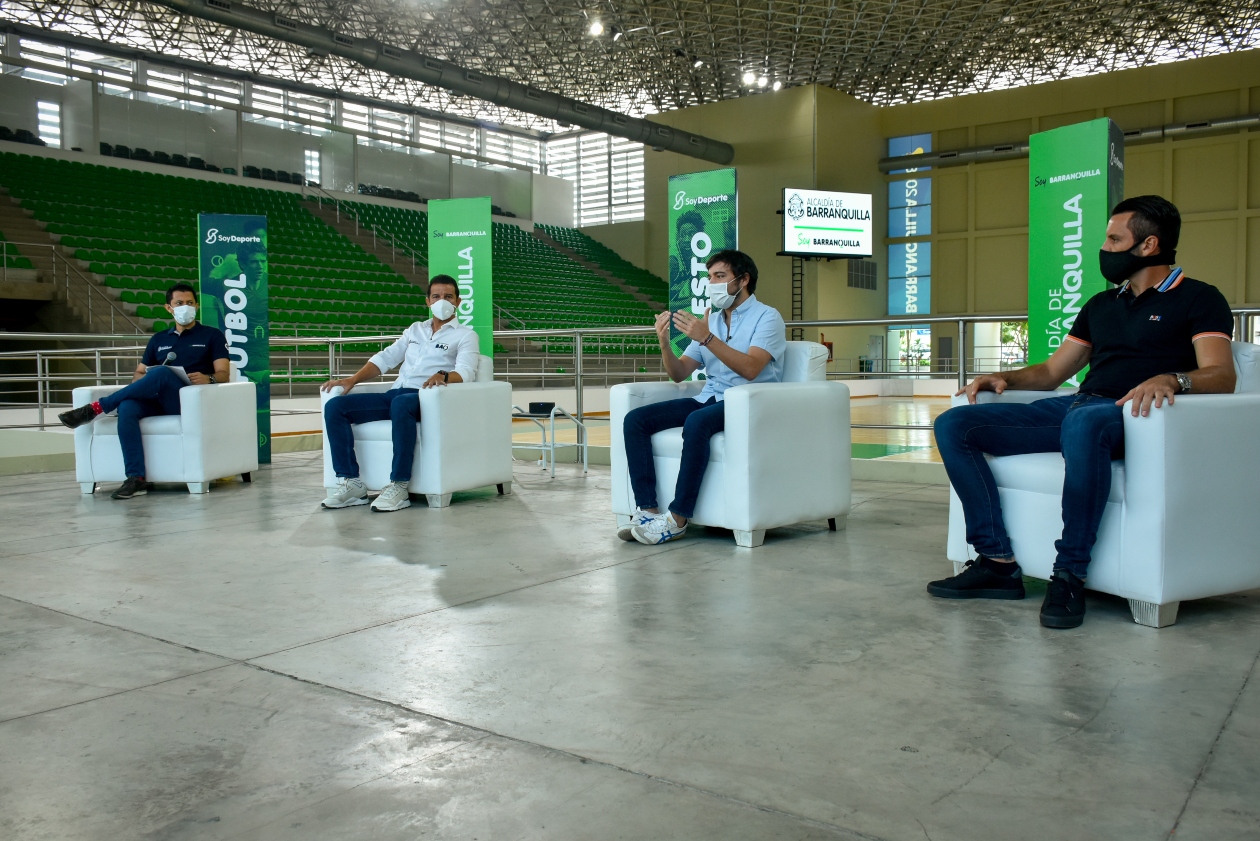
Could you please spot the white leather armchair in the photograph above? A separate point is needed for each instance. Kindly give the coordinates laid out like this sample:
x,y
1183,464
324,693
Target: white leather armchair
x,y
784,457
464,439
215,435
1180,521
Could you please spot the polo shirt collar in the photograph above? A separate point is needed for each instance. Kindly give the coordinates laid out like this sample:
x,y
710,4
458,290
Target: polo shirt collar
x,y
1169,282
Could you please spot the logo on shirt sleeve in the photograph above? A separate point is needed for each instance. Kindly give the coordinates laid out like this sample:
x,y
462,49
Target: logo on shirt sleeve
x,y
1155,318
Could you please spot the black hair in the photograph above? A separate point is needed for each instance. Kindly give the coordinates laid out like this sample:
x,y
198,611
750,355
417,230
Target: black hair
x,y
691,217
180,287
740,264
444,279
1152,216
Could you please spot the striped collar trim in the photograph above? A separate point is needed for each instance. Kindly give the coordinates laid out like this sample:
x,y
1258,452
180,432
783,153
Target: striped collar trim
x,y
1170,282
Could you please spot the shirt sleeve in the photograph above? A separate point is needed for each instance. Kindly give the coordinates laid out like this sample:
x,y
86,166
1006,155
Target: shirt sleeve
x,y
392,356
770,334
467,357
1210,316
150,351
694,351
218,345
1080,333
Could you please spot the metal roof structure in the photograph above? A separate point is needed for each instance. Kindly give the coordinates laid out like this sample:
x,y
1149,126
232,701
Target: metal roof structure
x,y
640,57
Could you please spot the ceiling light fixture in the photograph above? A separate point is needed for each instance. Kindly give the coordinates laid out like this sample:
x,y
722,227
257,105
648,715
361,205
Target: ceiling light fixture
x,y
698,63
596,29
777,84
762,82
750,77
617,33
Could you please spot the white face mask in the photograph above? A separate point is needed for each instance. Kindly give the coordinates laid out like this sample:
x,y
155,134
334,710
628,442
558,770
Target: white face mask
x,y
185,314
442,309
719,297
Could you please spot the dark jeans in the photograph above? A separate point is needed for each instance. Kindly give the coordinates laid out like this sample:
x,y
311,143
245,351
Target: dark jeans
x,y
1088,430
699,422
156,393
400,405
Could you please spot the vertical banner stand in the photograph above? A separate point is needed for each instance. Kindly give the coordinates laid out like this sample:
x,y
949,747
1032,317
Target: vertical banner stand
x,y
703,220
1076,176
461,245
232,261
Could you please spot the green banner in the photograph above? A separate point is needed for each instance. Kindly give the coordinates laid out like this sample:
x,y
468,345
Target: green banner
x,y
703,219
460,245
232,256
1076,175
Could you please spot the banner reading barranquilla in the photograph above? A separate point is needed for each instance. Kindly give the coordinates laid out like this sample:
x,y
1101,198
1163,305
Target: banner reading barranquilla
x,y
460,245
703,220
232,257
1076,175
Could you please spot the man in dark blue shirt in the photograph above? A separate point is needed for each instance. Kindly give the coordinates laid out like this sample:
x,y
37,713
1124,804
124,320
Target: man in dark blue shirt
x,y
200,350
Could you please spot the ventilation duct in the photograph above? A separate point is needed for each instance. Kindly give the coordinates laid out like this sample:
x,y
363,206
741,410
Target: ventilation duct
x,y
431,71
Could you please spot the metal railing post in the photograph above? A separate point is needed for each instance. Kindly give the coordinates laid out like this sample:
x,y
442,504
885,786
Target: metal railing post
x,y
98,367
332,361
577,382
962,354
39,386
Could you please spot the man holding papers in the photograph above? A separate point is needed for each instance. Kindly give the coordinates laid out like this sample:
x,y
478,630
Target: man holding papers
x,y
189,348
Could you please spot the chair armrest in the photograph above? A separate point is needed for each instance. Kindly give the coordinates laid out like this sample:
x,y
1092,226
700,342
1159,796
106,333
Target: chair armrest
x,y
623,399
465,436
788,453
220,429
90,394
1190,479
1010,396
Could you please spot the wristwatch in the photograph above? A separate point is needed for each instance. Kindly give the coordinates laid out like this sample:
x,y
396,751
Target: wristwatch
x,y
212,379
1184,383
446,376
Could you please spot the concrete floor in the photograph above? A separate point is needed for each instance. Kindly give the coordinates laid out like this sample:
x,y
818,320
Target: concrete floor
x,y
245,665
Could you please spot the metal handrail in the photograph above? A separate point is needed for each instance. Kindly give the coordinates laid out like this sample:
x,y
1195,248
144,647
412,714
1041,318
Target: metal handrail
x,y
72,294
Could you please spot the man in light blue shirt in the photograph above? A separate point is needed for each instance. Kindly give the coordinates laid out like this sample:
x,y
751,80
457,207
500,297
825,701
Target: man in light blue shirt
x,y
740,340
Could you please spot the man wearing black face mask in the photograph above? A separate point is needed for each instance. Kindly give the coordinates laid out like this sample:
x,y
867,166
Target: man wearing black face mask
x,y
1156,335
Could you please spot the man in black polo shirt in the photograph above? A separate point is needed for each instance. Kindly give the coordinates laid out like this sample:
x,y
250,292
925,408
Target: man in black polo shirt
x,y
200,350
1156,334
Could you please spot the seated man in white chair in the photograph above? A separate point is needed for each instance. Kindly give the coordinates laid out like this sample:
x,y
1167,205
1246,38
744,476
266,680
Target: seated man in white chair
x,y
199,349
1156,335
432,353
742,342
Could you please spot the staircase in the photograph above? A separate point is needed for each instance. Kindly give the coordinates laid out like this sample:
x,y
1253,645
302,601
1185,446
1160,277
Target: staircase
x,y
594,267
367,239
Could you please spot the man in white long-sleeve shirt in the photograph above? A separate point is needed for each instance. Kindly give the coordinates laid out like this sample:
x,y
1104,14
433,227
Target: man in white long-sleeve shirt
x,y
432,354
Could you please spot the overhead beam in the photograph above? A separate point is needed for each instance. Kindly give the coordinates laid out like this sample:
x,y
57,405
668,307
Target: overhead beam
x,y
443,74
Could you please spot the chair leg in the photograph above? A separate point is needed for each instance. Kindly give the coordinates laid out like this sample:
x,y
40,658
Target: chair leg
x,y
247,477
1154,615
838,523
750,539
505,488
438,500
88,488
199,487
622,520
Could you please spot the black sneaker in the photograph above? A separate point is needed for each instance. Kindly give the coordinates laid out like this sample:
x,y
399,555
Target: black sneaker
x,y
980,581
1064,606
134,486
78,417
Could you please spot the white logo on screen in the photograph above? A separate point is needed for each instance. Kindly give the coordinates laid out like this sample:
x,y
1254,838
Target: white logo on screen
x,y
212,236
680,200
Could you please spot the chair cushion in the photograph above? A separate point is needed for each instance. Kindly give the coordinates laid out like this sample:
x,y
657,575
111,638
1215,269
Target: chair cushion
x,y
156,425
669,444
804,362
1246,367
382,430
1043,473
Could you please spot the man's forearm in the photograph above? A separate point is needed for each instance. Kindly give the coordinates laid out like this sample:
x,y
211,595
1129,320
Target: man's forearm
x,y
740,363
673,365
367,372
1033,378
1214,379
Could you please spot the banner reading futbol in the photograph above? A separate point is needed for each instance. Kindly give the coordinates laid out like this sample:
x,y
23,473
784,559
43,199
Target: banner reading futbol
x,y
232,255
703,220
1076,175
460,246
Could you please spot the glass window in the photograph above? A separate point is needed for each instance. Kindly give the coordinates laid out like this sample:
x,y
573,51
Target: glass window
x,y
49,123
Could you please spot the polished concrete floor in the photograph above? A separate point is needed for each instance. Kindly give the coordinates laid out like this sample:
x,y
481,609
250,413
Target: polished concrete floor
x,y
246,665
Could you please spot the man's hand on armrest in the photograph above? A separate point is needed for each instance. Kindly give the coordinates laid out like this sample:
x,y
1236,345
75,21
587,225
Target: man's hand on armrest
x,y
1046,376
1215,375
367,372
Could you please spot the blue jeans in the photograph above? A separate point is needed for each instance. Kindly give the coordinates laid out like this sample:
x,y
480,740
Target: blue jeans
x,y
399,405
1088,430
699,422
156,393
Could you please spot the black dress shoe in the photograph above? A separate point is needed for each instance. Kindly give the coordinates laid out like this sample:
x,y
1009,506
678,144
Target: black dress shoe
x,y
1064,606
134,486
981,581
78,417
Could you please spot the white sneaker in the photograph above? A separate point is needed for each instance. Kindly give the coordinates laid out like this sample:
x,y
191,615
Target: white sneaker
x,y
638,518
395,497
348,492
659,529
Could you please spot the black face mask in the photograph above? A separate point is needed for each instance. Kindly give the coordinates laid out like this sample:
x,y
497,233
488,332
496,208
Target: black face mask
x,y
1119,266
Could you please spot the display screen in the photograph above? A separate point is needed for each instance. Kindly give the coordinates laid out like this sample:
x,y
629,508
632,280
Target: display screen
x,y
819,223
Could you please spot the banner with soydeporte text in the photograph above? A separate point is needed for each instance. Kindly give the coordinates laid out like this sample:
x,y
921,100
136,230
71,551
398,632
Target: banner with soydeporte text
x,y
1076,175
232,258
460,245
703,220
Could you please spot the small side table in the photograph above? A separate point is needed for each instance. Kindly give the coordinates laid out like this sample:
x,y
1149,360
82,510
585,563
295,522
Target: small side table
x,y
548,445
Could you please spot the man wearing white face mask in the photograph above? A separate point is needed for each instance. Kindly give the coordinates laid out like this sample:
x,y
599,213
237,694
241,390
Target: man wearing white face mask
x,y
200,350
741,340
432,353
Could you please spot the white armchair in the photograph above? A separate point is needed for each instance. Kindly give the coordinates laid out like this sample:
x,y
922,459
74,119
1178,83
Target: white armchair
x,y
1180,520
464,439
784,457
215,435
